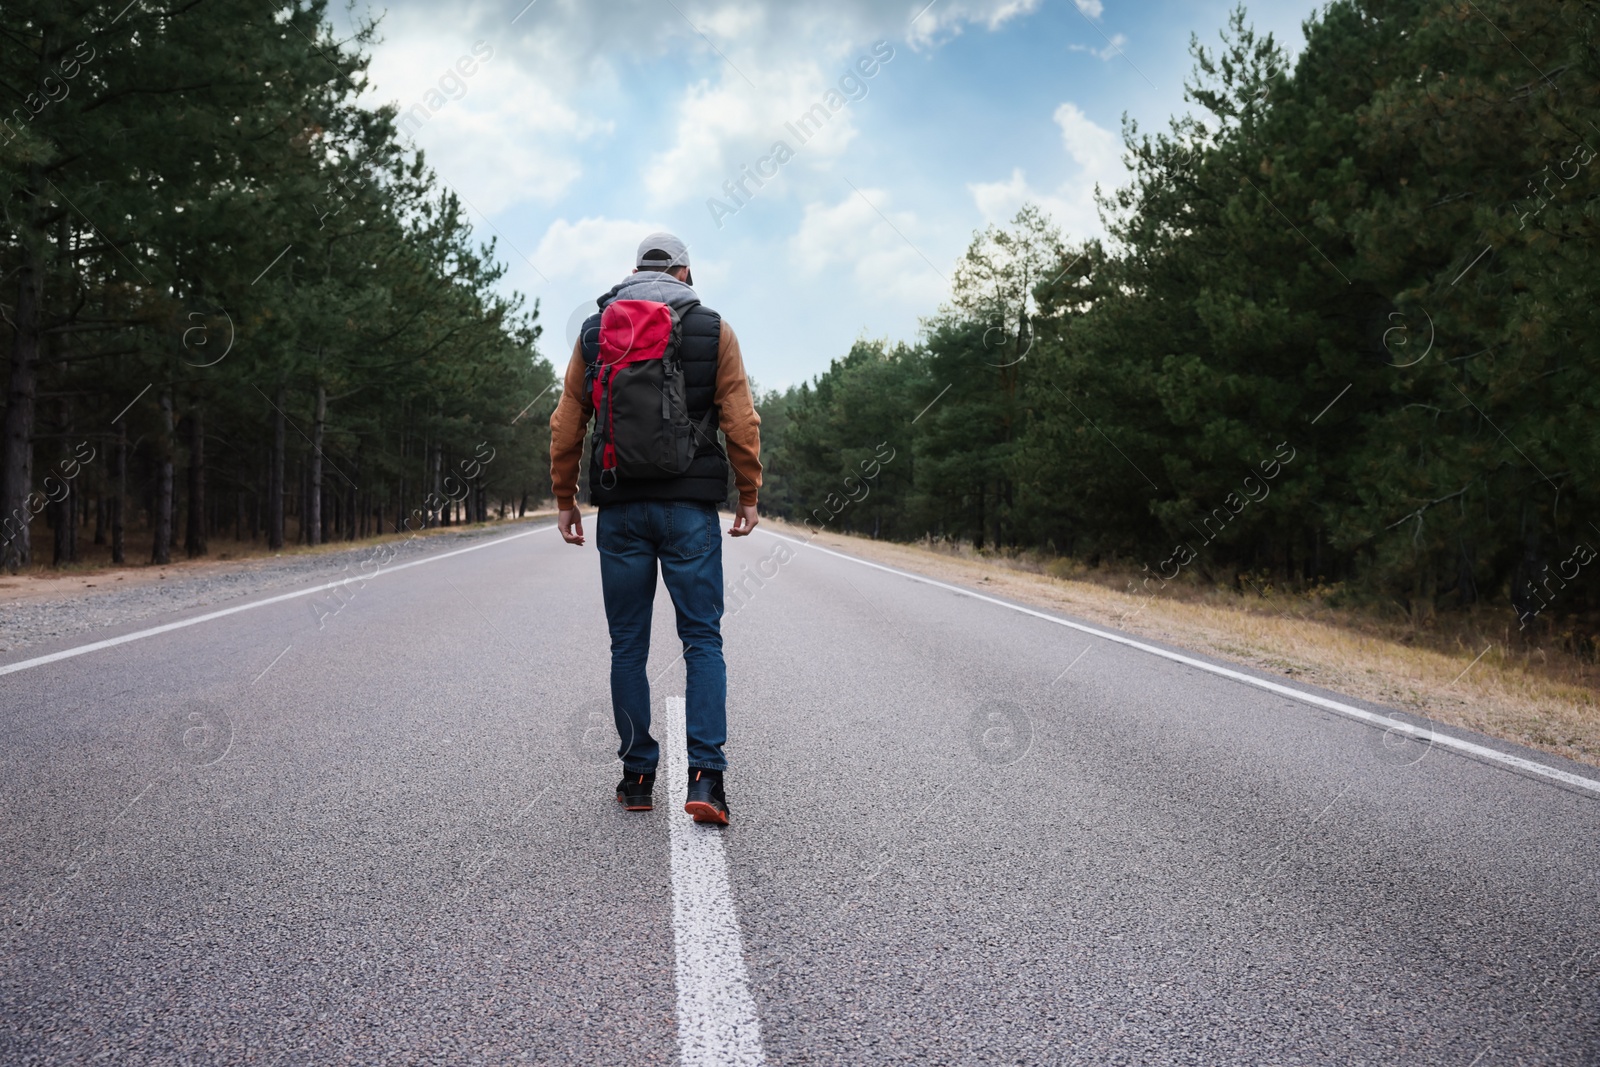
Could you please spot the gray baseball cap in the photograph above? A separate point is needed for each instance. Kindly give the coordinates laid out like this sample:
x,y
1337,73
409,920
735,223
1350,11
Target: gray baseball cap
x,y
662,251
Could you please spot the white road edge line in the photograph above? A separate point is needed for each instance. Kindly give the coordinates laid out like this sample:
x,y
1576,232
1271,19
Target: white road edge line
x,y
1444,740
112,642
717,1022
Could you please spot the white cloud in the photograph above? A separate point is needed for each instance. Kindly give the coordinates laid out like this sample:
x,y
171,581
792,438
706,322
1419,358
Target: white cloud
x,y
527,144
592,252
586,258
947,19
583,259
721,127
734,21
496,134
574,32
998,202
877,250
523,131
527,123
1113,48
1097,153
1093,8
1096,149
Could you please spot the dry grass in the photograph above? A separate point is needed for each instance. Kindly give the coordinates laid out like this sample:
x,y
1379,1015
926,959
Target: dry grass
x,y
1545,700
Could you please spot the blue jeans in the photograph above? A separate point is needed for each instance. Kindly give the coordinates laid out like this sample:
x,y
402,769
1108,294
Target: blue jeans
x,y
685,538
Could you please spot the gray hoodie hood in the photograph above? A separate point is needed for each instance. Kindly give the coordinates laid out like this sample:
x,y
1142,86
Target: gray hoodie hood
x,y
654,285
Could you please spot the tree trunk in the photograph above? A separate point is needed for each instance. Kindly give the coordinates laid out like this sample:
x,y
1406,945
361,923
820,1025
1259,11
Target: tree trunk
x,y
161,542
16,466
179,430
119,493
194,541
313,518
65,549
447,509
352,503
275,476
436,465
66,505
63,509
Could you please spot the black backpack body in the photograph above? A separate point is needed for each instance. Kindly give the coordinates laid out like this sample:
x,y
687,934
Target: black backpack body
x,y
651,372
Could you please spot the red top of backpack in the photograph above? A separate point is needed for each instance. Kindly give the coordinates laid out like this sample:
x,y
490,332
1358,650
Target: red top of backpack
x,y
631,330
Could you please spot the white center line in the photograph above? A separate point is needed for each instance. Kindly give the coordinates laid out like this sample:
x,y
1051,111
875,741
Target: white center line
x,y
717,1023
1482,752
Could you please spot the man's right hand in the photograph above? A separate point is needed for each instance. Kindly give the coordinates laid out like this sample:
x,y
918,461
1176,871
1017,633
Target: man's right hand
x,y
570,523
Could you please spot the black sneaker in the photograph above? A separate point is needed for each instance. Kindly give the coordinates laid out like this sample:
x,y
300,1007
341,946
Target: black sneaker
x,y
634,790
706,802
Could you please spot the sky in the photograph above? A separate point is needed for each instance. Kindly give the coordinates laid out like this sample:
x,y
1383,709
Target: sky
x,y
571,129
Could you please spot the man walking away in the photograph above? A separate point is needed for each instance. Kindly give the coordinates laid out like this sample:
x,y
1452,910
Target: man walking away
x,y
657,370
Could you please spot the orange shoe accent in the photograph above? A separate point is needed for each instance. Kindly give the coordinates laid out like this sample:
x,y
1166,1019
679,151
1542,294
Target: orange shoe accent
x,y
704,812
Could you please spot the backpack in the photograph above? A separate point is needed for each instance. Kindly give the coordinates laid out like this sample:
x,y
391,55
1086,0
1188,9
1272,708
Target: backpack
x,y
637,388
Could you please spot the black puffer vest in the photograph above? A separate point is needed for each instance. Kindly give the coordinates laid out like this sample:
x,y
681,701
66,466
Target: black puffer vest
x,y
707,478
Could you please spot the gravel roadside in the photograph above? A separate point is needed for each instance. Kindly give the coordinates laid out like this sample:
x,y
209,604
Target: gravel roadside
x,y
30,615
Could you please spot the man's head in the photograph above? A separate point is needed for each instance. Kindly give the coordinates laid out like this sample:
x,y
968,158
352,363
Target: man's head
x,y
664,252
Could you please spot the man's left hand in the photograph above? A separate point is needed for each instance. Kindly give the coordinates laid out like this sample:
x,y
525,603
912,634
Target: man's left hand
x,y
744,520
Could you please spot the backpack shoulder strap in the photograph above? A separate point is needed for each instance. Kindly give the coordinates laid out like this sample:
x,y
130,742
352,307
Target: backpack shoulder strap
x,y
589,349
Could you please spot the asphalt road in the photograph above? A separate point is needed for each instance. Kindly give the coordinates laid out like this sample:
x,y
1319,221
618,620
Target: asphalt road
x,y
962,834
